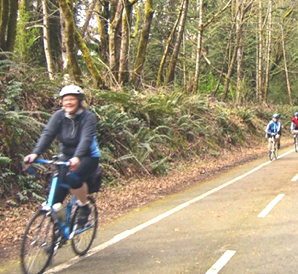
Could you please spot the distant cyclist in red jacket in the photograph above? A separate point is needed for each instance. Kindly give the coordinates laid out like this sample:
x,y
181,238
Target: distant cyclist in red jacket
x,y
294,124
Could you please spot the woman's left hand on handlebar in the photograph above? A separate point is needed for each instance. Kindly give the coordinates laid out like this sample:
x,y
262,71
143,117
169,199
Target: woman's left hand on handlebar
x,y
74,163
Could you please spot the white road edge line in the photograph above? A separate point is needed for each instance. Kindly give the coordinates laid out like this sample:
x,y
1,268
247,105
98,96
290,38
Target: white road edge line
x,y
221,262
295,178
132,231
272,204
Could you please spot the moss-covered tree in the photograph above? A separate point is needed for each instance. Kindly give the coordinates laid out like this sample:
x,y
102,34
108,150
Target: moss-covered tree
x,y
8,24
142,46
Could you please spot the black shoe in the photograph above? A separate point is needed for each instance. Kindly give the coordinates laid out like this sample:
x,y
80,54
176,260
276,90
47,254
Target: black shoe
x,y
84,212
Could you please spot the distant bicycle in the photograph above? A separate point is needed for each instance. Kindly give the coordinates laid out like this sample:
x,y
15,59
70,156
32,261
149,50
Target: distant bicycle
x,y
296,142
273,148
50,227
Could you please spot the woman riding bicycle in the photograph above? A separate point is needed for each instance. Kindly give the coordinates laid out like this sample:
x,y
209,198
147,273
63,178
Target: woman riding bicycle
x,y
274,128
75,128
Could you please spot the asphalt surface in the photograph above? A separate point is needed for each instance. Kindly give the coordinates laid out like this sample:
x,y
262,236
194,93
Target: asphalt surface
x,y
243,221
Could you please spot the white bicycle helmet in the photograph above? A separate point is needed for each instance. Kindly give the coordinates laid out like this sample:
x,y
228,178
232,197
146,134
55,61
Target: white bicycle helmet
x,y
71,90
275,115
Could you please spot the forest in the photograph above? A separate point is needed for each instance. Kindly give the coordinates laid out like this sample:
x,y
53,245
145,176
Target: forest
x,y
167,79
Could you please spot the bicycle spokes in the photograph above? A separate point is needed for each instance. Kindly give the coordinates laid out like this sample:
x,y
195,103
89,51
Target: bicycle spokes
x,y
273,150
84,236
38,243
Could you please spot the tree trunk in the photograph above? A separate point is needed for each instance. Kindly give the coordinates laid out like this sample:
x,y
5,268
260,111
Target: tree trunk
x,y
172,64
166,52
64,53
54,29
286,66
97,80
12,25
102,9
201,28
90,11
113,38
232,58
229,73
3,24
46,41
142,46
72,66
199,48
259,74
241,9
221,72
123,75
268,49
239,22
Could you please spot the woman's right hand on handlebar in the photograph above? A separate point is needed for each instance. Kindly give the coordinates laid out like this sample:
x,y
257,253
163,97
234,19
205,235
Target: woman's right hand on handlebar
x,y
30,158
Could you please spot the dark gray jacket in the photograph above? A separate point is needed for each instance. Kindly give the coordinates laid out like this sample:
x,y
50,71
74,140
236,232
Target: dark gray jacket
x,y
77,136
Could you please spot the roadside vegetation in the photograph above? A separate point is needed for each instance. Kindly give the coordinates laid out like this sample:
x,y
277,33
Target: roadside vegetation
x,y
139,133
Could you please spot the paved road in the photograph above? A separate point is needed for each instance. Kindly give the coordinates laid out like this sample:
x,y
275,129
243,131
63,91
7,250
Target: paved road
x,y
244,221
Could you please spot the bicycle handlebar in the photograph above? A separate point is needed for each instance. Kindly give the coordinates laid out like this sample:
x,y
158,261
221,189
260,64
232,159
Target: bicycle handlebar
x,y
51,162
31,171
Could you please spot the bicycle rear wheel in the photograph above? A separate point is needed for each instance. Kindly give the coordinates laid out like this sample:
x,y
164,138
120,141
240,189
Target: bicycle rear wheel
x,y
84,237
38,243
296,143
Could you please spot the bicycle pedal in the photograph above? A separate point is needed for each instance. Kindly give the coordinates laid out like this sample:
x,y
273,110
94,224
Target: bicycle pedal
x,y
62,242
47,249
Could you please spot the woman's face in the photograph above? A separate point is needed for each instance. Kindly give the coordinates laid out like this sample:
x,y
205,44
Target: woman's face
x,y
70,103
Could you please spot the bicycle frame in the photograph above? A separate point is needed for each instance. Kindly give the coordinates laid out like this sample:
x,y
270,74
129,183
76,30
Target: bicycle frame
x,y
64,227
46,232
273,148
272,142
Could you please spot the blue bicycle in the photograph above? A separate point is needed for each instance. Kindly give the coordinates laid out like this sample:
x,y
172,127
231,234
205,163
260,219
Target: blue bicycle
x,y
47,231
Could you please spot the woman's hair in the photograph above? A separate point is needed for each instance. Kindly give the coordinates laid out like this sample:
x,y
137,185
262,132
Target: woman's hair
x,y
83,104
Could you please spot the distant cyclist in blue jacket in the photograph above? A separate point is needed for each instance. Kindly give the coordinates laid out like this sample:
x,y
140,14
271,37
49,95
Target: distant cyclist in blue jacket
x,y
274,128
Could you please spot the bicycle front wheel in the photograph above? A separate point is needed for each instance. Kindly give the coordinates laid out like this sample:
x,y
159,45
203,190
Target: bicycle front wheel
x,y
275,153
83,238
38,243
271,155
296,144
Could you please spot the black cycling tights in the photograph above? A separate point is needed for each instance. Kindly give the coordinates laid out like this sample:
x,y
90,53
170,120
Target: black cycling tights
x,y
74,179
